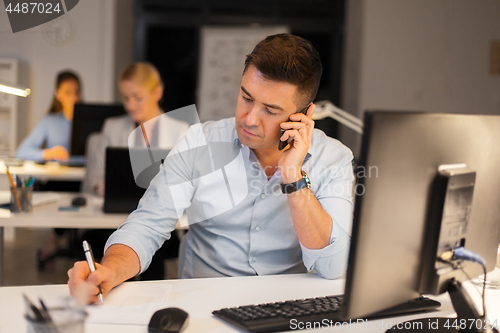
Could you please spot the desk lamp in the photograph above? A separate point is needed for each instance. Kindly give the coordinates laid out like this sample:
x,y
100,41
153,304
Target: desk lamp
x,y
8,88
327,109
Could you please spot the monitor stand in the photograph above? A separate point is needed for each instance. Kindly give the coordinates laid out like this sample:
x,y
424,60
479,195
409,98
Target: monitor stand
x,y
467,320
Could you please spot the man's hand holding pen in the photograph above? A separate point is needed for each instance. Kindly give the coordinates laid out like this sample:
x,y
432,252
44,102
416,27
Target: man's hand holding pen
x,y
83,284
119,264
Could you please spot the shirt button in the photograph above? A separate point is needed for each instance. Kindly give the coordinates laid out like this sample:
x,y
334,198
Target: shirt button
x,y
257,228
254,259
262,196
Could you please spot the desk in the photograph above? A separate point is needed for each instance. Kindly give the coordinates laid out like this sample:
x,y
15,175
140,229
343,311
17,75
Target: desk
x,y
41,172
199,297
89,216
47,172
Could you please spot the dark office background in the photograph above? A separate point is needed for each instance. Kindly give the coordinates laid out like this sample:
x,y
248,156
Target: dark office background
x,y
167,35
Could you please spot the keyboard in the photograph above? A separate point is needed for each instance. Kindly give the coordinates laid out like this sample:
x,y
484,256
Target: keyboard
x,y
73,161
280,316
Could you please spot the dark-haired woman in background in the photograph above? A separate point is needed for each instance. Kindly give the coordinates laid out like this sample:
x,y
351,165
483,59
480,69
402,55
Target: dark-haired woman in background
x,y
54,130
50,140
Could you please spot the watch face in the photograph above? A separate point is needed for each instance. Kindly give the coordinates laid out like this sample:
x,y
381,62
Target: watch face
x,y
306,178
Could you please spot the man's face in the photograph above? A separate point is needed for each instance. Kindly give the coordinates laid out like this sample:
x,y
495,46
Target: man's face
x,y
262,105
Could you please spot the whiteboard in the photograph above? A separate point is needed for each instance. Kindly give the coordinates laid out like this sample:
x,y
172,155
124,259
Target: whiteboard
x,y
222,57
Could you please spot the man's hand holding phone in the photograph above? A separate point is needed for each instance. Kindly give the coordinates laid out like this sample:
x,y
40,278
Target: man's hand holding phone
x,y
300,129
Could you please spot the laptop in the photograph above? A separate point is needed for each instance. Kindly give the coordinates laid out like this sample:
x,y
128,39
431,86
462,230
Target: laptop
x,y
122,192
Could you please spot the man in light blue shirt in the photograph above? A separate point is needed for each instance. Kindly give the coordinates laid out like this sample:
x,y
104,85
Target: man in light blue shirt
x,y
252,209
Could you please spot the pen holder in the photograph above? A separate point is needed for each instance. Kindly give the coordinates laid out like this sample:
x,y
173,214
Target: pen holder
x,y
64,320
24,200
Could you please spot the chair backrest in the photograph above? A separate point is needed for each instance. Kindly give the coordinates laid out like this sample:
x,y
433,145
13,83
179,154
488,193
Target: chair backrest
x,y
94,142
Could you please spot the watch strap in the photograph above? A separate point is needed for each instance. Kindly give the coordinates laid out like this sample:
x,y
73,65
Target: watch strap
x,y
296,186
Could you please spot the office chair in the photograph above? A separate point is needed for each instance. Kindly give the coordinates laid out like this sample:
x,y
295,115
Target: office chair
x,y
71,250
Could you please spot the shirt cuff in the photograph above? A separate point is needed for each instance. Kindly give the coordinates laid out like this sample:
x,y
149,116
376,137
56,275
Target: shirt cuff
x,y
121,237
329,262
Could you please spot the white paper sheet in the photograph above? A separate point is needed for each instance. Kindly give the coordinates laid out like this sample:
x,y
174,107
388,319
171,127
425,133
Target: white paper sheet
x,y
130,304
39,198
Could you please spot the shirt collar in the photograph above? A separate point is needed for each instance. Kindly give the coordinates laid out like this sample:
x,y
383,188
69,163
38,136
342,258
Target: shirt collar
x,y
237,143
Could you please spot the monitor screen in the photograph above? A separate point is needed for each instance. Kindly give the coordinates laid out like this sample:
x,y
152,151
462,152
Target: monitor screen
x,y
125,180
401,153
87,119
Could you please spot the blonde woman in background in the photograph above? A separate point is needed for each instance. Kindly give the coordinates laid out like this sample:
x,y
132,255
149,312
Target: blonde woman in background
x,y
141,89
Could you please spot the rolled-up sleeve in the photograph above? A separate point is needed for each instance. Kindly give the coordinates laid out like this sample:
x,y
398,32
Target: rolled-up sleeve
x,y
329,262
335,196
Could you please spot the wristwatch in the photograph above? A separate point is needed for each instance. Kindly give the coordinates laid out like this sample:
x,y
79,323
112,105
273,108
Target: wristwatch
x,y
298,185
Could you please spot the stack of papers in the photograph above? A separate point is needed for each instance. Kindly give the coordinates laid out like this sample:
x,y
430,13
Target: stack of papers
x,y
39,198
130,304
42,198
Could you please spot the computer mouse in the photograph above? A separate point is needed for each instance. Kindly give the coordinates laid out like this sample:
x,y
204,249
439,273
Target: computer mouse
x,y
168,320
79,201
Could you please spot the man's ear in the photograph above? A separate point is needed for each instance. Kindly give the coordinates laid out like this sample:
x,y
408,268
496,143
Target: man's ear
x,y
310,110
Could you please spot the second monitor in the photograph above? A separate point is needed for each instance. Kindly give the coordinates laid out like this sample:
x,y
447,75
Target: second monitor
x,y
87,119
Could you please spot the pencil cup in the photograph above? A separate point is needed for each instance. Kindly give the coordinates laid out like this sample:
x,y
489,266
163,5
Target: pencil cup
x,y
63,320
21,199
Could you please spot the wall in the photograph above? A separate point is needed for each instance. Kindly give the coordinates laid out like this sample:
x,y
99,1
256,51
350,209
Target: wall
x,y
85,40
124,40
428,55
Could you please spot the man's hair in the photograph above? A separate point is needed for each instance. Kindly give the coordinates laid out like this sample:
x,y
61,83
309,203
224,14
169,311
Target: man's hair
x,y
291,59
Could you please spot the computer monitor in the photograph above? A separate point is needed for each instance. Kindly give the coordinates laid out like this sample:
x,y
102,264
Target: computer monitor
x,y
400,156
87,119
125,184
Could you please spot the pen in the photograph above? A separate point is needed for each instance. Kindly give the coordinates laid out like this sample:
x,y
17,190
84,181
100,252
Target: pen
x,y
45,312
30,181
90,260
33,312
14,191
19,182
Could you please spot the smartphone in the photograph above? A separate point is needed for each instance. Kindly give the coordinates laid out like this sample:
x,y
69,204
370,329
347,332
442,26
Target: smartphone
x,y
283,144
